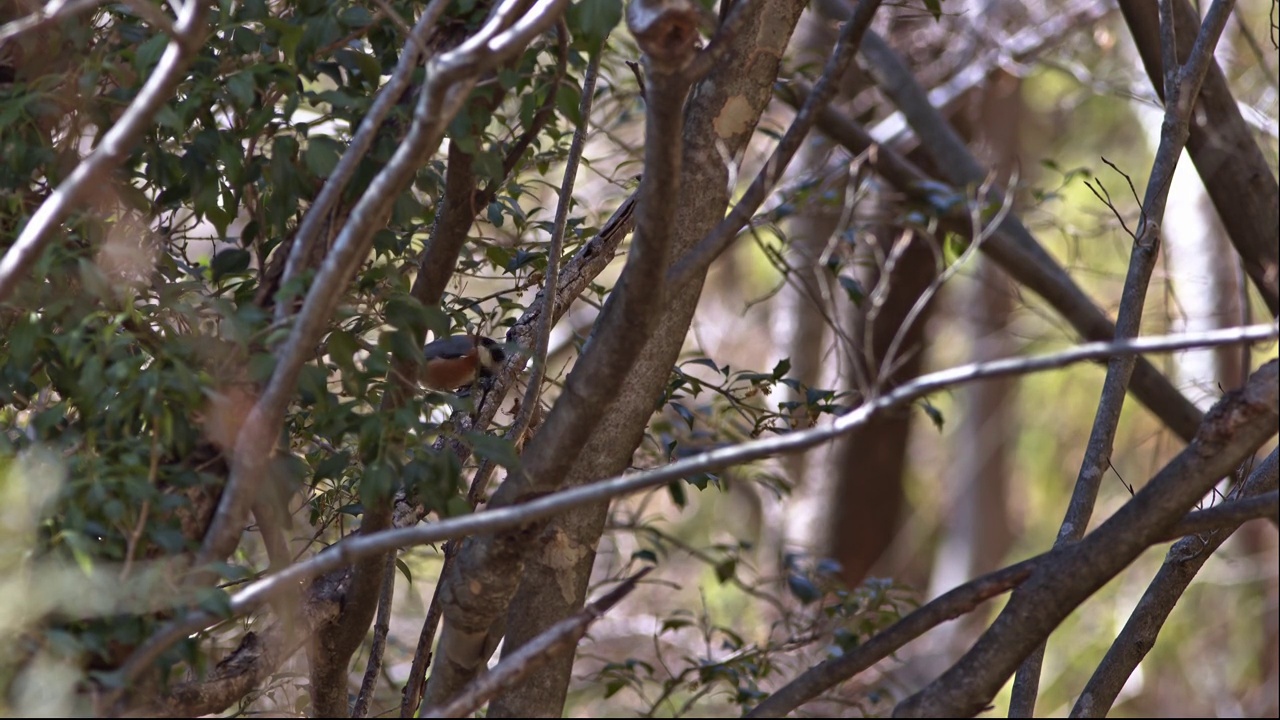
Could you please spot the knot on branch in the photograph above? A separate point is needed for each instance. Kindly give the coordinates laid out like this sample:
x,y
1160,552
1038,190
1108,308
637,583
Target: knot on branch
x,y
666,31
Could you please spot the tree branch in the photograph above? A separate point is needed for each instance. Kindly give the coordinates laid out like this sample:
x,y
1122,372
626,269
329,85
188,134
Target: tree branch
x,y
1180,566
559,638
485,574
968,597
695,261
1233,429
1182,85
1238,178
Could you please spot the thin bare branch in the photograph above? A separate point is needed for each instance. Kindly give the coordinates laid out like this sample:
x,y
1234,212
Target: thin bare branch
x,y
1232,431
485,574
381,627
1012,246
542,336
948,606
1182,85
966,598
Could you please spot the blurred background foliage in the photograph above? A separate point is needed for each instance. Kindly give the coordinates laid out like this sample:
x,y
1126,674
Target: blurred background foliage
x,y
132,354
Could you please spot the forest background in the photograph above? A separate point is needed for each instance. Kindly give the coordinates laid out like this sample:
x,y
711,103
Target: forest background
x,y
828,324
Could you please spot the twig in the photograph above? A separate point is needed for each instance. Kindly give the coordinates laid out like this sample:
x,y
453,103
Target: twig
x,y
485,576
542,336
411,695
380,628
1012,246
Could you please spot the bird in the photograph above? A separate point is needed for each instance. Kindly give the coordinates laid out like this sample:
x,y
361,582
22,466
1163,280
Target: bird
x,y
454,362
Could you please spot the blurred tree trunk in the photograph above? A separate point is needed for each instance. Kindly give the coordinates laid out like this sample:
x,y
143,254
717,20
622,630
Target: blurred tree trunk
x,y
867,498
810,299
977,531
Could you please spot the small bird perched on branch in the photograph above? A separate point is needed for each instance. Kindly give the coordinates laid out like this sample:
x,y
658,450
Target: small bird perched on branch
x,y
454,362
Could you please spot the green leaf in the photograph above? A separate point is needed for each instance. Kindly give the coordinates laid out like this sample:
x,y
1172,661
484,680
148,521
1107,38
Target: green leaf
x,y
404,312
591,21
725,570
342,349
22,341
853,290
953,247
231,260
678,496
148,53
568,100
803,588
493,448
935,8
404,570
935,415
782,368
241,89
322,155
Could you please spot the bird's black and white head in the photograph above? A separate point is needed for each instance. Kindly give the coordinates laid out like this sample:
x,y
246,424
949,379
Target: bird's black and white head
x,y
489,355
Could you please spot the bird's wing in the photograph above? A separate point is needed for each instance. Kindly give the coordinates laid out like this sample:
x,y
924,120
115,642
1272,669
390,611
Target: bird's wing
x,y
455,346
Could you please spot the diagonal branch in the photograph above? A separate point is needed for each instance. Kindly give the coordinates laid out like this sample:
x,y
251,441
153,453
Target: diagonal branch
x,y
1180,566
1012,246
559,638
1182,85
1232,431
966,598
1239,179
